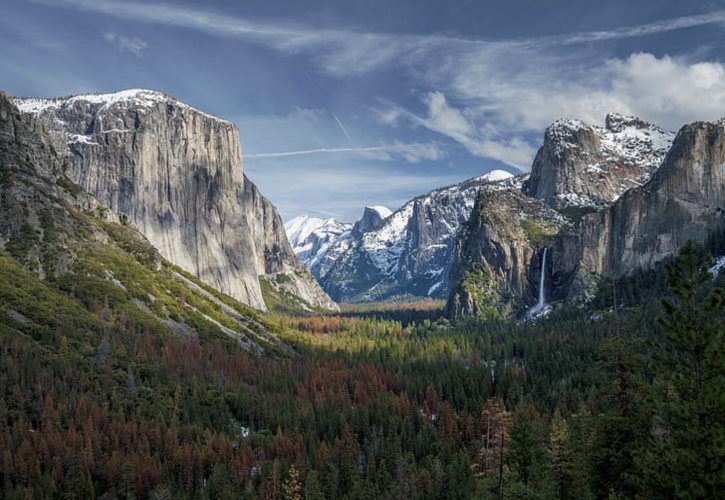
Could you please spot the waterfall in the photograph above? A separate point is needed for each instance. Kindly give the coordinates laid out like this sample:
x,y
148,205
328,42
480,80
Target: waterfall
x,y
542,292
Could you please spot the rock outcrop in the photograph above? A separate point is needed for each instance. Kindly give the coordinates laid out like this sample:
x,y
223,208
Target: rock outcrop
x,y
585,166
684,199
640,208
276,261
176,175
497,261
89,258
371,219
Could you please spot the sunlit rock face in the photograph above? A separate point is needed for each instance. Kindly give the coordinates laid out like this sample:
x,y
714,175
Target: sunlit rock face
x,y
175,173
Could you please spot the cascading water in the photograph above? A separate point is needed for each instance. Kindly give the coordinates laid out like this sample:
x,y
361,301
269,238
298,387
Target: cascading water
x,y
542,292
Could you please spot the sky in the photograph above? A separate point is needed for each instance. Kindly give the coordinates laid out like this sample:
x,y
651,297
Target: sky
x,y
346,103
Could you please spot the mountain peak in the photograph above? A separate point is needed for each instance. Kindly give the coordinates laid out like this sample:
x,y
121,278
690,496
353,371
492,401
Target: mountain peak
x,y
616,122
495,176
128,98
382,211
589,165
372,217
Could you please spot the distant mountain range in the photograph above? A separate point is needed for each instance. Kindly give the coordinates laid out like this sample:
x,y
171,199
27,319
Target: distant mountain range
x,y
599,202
390,254
606,200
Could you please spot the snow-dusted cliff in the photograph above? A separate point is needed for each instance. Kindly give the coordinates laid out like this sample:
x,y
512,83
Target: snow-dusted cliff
x,y
174,173
581,165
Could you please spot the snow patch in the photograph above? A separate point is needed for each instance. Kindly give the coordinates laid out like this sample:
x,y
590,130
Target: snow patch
x,y
142,99
718,266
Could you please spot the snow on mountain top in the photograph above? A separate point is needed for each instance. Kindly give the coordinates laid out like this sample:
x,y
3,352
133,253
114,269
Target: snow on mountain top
x,y
495,176
138,98
301,227
623,138
383,212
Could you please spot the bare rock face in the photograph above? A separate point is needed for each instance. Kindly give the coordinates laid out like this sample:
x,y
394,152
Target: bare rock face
x,y
372,218
685,199
584,166
639,210
275,257
497,263
175,174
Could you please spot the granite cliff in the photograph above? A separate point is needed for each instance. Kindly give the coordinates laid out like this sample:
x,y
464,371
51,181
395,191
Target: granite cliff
x,y
497,259
684,199
618,199
175,174
586,166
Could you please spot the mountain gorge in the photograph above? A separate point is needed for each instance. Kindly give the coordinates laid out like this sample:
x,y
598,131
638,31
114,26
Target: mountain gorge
x,y
618,213
175,174
606,201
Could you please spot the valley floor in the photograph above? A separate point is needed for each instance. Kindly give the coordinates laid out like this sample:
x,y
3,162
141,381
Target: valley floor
x,y
377,402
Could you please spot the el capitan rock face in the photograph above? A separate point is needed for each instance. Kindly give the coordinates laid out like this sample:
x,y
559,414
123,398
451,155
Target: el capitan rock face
x,y
174,173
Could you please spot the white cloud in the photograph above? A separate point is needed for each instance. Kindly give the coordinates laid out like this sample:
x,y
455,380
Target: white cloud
x,y
349,52
519,85
307,114
460,126
134,45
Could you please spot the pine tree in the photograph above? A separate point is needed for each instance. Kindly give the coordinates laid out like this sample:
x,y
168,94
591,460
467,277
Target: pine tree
x,y
313,491
687,454
622,424
561,457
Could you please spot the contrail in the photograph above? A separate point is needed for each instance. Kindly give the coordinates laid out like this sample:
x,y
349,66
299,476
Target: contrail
x,y
394,148
342,127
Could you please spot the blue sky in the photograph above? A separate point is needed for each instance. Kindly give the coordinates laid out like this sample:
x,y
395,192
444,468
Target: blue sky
x,y
343,104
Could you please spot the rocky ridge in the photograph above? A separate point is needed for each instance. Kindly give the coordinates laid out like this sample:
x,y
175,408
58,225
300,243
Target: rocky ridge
x,y
405,253
586,166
